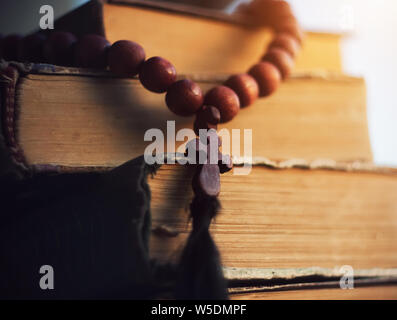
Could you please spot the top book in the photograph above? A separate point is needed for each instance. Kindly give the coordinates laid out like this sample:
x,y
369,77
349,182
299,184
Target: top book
x,y
197,44
195,40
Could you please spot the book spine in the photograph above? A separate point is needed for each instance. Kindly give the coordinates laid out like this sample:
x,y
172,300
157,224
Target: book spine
x,y
9,77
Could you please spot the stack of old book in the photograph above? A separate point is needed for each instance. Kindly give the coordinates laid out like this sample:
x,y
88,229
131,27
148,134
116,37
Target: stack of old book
x,y
313,203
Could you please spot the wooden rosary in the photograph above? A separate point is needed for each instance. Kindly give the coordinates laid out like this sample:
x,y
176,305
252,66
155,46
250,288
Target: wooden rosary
x,y
183,97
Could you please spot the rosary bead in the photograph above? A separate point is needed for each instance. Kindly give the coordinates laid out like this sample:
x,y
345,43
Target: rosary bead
x,y
277,11
157,74
10,46
57,49
90,51
268,13
287,42
125,58
207,118
184,98
31,47
246,88
267,76
281,59
211,115
226,100
292,28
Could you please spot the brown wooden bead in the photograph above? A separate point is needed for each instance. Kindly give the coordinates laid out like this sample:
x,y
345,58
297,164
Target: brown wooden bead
x,y
125,58
226,100
184,98
281,59
207,118
246,88
90,51
57,49
277,11
10,47
292,28
157,74
287,42
210,114
267,76
31,47
266,12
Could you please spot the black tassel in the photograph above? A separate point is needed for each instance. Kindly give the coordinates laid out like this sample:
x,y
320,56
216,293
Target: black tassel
x,y
200,274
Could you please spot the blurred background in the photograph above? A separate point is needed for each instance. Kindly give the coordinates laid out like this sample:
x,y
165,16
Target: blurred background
x,y
369,49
